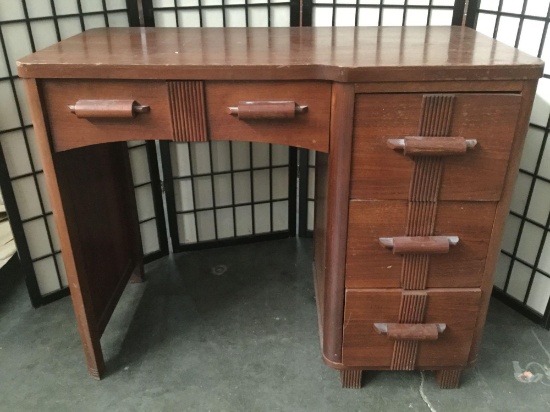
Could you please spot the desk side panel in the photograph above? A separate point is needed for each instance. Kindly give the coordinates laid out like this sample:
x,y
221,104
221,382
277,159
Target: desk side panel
x,y
96,217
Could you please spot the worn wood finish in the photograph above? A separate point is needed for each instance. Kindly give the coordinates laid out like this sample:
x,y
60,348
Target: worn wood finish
x,y
69,132
369,265
363,346
309,130
421,130
379,172
341,126
342,54
98,227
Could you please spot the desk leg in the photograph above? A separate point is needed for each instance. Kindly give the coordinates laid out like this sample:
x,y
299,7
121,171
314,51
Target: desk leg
x,y
94,206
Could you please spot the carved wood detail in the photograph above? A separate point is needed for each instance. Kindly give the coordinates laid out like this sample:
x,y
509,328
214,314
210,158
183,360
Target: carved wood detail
x,y
411,310
188,111
448,378
351,378
435,120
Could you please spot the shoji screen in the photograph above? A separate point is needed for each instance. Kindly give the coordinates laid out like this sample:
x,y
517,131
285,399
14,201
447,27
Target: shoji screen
x,y
26,26
523,274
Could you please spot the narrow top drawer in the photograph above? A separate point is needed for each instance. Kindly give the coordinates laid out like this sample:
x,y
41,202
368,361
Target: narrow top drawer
x,y
382,172
267,118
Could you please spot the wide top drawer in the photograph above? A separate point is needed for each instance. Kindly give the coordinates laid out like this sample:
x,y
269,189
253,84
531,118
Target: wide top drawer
x,y
382,170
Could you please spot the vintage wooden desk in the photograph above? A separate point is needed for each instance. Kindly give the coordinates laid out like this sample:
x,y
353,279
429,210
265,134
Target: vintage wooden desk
x,y
418,132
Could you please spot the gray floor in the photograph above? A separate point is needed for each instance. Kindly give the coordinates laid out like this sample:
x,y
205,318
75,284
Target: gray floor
x,y
235,329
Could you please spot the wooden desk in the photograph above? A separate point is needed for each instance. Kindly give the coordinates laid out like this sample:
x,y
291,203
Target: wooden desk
x,y
418,131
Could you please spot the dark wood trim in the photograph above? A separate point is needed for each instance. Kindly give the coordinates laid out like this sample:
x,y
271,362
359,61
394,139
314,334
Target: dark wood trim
x,y
339,169
73,255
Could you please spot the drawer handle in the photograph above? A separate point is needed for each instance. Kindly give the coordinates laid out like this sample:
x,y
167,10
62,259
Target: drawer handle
x,y
90,109
432,145
408,331
419,244
262,110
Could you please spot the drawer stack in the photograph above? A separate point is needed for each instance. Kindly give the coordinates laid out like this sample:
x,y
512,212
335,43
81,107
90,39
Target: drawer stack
x,y
426,176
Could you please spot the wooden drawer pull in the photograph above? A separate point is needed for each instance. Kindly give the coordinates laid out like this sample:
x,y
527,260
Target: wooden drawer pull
x,y
266,110
432,145
407,331
419,244
89,109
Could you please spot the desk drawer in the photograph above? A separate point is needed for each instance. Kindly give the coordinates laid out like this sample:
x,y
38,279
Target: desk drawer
x,y
366,311
70,131
270,116
380,172
371,265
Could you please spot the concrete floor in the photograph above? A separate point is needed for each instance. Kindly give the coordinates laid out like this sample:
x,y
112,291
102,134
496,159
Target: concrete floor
x,y
235,329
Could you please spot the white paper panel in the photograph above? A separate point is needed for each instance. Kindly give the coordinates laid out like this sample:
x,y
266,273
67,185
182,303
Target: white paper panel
x,y
15,152
519,281
244,220
501,271
441,18
280,215
241,155
529,244
225,223
205,222
222,186
11,10
115,5
186,228
221,159
531,149
138,162
519,198
262,218
26,197
91,5
37,238
539,293
511,230
261,185
280,183
44,269
536,7
539,207
203,192
69,27
149,236
145,205
43,33
66,7
242,187
416,17
183,193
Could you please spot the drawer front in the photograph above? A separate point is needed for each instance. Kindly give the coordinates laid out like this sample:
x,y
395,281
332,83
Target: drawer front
x,y
371,265
381,172
70,131
308,128
365,346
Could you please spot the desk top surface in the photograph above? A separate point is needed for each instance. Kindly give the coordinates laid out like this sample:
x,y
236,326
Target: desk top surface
x,y
339,54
